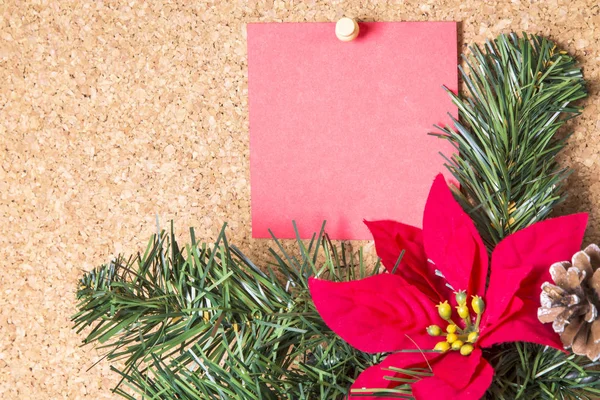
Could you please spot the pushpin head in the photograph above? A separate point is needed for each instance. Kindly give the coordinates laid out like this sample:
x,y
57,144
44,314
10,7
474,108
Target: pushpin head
x,y
346,29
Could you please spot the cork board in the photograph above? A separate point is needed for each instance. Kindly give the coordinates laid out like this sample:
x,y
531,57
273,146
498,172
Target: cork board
x,y
113,112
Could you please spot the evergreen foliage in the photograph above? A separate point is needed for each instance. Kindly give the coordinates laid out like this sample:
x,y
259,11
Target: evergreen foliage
x,y
520,92
203,322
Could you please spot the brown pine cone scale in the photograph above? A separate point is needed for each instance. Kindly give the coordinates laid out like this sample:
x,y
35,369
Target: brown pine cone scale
x,y
571,304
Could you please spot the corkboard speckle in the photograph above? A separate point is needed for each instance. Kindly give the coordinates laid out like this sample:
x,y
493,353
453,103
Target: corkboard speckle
x,y
113,112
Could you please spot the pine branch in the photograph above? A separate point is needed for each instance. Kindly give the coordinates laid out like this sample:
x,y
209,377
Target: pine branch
x,y
520,92
205,322
526,371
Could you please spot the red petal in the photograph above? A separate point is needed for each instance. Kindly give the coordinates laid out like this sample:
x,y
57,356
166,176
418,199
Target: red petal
x,y
374,377
437,388
391,238
445,368
452,241
376,314
520,324
525,257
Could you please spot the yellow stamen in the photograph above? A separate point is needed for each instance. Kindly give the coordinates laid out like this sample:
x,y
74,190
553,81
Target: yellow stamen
x,y
461,297
463,311
444,310
442,347
466,349
457,345
473,336
434,330
478,305
457,338
451,337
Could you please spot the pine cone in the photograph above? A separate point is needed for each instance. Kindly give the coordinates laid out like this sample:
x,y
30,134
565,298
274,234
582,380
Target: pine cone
x,y
572,303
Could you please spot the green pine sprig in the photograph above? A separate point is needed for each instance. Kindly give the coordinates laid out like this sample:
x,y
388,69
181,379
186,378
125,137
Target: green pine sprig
x,y
520,91
527,371
204,322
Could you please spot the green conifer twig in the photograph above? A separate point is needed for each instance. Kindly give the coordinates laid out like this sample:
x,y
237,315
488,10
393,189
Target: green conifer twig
x,y
520,92
203,322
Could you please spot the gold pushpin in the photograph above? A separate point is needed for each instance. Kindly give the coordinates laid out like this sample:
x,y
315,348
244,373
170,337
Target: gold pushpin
x,y
346,29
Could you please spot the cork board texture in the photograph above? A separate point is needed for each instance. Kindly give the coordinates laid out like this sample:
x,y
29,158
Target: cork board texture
x,y
113,112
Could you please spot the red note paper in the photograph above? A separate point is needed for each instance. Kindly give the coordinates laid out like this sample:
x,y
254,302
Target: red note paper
x,y
339,130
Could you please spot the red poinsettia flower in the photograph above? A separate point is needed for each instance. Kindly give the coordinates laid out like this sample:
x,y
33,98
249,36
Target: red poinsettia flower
x,y
391,312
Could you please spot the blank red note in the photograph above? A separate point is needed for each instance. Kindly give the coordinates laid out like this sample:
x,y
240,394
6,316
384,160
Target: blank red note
x,y
338,130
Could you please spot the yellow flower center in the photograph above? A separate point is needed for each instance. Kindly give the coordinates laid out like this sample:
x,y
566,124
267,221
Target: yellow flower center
x,y
459,339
